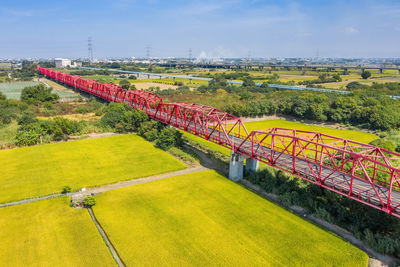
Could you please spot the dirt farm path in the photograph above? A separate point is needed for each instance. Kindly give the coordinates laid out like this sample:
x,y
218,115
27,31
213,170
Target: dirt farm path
x,y
100,189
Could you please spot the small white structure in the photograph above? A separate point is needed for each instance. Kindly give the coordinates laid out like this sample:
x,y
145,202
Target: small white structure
x,y
62,62
76,64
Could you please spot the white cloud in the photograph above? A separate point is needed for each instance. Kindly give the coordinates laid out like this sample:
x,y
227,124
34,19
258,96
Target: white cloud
x,y
351,30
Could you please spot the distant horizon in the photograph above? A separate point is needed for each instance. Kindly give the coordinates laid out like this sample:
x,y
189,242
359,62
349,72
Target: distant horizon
x,y
223,58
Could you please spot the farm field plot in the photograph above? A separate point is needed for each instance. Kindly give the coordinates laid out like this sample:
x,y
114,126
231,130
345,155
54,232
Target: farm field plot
x,y
358,136
50,233
204,219
66,94
45,169
13,90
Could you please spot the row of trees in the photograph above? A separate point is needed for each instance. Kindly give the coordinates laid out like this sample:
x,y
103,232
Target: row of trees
x,y
123,118
32,131
368,111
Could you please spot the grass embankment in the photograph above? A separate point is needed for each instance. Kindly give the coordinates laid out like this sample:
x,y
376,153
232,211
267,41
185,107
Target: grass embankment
x,y
358,136
45,169
205,219
49,233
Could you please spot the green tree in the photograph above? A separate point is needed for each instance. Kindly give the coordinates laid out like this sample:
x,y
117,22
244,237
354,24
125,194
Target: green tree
x,y
89,201
167,138
366,74
337,77
125,84
66,189
38,94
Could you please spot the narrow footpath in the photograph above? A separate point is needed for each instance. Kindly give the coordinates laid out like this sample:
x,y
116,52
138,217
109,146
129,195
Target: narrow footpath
x,y
104,188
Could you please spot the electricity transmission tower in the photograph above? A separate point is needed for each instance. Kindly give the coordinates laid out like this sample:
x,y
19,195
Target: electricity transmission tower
x,y
148,51
190,55
90,49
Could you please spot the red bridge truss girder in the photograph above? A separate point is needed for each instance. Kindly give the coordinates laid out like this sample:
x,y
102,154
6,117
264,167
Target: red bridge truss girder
x,y
363,172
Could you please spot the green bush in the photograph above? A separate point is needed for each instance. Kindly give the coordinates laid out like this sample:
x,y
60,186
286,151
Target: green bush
x,y
167,138
89,201
123,118
27,138
38,94
66,189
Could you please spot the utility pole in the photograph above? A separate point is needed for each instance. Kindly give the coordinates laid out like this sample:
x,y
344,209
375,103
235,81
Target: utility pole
x,y
90,49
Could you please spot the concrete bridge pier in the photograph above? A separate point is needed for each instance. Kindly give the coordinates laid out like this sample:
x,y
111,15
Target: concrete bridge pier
x,y
236,166
148,76
190,81
362,70
252,165
399,71
380,71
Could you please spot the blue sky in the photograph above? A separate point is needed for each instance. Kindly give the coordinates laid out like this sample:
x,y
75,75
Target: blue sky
x,y
227,28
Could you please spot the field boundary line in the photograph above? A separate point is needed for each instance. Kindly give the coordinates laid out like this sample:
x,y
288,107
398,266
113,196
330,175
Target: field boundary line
x,y
32,199
106,240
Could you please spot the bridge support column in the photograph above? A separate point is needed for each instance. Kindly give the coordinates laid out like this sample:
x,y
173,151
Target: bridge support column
x,y
252,165
399,71
148,76
362,70
380,71
236,167
190,81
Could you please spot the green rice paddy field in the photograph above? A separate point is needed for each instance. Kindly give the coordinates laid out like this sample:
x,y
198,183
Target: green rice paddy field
x,y
358,136
50,233
203,219
45,169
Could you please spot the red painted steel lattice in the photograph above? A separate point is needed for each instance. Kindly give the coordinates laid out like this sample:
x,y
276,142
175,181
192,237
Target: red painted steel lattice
x,y
362,172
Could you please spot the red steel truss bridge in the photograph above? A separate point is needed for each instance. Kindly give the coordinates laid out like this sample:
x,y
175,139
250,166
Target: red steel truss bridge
x,y
365,173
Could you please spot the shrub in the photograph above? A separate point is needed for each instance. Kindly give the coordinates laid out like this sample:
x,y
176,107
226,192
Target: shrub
x,y
89,201
27,138
167,138
38,94
27,119
66,189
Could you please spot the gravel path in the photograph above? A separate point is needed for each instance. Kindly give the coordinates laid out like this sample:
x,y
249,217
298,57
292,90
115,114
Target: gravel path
x,y
104,188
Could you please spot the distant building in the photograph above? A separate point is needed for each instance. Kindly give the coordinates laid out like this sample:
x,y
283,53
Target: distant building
x,y
76,64
62,62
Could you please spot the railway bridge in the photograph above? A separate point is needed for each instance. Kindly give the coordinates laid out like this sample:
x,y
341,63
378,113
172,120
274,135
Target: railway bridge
x,y
362,172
